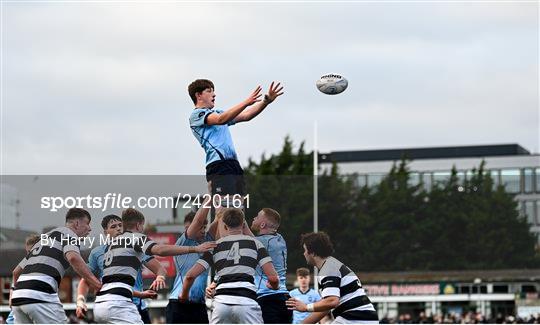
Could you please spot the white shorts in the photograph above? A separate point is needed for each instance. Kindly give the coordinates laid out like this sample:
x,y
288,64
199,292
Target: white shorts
x,y
236,314
40,313
116,312
341,320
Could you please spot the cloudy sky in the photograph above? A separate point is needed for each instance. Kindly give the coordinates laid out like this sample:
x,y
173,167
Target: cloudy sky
x,y
100,88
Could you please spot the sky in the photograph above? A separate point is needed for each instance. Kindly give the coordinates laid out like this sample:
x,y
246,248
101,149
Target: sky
x,y
101,88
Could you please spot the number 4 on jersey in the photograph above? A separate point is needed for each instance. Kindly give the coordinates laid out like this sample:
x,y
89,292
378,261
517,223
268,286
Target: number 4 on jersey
x,y
234,253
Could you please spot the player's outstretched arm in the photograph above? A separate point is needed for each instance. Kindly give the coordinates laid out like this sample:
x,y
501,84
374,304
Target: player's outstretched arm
x,y
146,294
80,267
82,292
200,217
232,113
171,250
274,92
160,272
190,277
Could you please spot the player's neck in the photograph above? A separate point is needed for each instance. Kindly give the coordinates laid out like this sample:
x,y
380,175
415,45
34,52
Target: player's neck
x,y
319,261
304,289
267,231
234,232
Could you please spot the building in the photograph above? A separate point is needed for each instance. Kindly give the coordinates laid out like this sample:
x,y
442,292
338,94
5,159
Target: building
x,y
488,292
510,165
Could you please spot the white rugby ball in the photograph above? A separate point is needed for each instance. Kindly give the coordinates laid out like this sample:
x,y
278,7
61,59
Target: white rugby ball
x,y
332,84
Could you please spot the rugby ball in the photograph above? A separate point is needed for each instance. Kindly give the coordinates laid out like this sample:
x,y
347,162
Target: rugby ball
x,y
332,84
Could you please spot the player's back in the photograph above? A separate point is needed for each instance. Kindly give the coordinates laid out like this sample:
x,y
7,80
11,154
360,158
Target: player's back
x,y
121,265
235,259
44,267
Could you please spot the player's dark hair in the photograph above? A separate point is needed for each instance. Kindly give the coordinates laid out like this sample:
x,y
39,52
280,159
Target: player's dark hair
x,y
318,243
131,217
233,217
189,217
199,86
302,272
77,213
32,240
272,215
111,217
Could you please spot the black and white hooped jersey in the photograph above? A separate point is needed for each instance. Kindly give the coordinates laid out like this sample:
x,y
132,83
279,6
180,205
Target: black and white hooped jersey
x,y
43,268
235,259
336,279
121,264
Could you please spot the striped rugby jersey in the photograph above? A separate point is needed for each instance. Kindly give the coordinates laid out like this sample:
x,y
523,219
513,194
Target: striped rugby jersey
x,y
121,264
336,279
235,259
43,268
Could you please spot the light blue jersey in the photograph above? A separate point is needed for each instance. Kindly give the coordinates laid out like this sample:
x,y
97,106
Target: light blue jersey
x,y
95,263
216,140
309,297
183,264
277,249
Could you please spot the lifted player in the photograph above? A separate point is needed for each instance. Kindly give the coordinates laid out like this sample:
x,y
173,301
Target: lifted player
x,y
340,288
211,128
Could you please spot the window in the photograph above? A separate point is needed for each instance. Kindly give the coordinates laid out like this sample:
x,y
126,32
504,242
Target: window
x,y
494,173
362,181
426,180
538,213
528,180
414,179
537,172
529,211
374,179
510,178
440,178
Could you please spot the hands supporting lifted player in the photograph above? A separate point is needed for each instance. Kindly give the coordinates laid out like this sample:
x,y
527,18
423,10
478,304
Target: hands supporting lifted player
x,y
274,92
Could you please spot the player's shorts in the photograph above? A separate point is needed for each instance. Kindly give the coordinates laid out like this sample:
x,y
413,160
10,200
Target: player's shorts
x,y
274,309
227,177
116,312
40,313
186,313
236,314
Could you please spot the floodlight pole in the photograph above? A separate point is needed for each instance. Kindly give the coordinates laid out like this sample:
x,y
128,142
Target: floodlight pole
x,y
315,196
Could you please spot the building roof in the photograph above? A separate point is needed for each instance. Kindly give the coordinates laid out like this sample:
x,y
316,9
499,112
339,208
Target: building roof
x,y
424,153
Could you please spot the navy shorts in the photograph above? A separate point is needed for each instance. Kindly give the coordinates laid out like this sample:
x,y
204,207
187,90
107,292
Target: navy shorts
x,y
227,177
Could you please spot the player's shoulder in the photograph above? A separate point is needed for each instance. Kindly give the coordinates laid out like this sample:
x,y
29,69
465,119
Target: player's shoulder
x,y
294,292
331,267
98,250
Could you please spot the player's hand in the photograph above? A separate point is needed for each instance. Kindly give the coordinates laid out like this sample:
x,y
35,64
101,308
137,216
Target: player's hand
x,y
159,283
148,294
269,286
210,290
254,97
81,307
273,92
205,247
295,304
